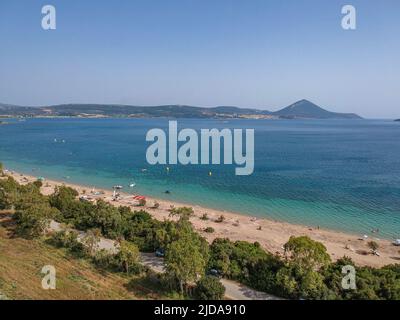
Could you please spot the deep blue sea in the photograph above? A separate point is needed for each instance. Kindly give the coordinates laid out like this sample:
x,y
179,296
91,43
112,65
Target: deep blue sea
x,y
338,174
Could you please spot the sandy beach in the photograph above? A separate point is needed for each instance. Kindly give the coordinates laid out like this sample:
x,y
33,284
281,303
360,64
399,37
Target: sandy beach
x,y
272,235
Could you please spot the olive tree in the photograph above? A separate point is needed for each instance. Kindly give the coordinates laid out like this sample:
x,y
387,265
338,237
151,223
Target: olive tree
x,y
127,256
34,220
209,288
186,259
306,253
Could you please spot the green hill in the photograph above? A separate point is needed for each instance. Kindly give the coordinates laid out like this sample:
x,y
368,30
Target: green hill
x,y
307,109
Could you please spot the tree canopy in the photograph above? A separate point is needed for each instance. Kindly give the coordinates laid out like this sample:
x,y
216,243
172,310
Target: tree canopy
x,y
128,256
306,253
209,288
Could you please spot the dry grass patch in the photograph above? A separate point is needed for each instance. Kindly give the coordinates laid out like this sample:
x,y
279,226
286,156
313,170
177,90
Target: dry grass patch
x,y
21,262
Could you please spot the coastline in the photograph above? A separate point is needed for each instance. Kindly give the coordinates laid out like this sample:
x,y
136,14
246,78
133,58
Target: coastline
x,y
272,235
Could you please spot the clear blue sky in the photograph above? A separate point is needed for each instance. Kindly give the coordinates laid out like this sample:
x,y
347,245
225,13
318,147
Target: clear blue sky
x,y
250,53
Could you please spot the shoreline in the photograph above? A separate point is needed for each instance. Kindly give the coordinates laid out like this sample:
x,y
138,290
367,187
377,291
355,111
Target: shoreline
x,y
271,234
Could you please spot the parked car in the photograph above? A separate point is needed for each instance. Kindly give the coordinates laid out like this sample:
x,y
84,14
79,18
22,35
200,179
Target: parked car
x,y
160,253
214,273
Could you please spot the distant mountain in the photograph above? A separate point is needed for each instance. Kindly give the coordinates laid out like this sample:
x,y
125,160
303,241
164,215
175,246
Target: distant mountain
x,y
307,109
397,120
300,109
9,109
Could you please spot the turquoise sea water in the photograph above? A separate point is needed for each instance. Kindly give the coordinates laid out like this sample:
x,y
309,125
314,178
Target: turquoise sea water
x,y
338,174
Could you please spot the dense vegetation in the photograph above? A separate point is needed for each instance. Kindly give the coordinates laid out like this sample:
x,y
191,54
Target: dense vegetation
x,y
209,288
305,271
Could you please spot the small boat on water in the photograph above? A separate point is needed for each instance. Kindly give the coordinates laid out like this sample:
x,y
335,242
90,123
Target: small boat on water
x,y
132,185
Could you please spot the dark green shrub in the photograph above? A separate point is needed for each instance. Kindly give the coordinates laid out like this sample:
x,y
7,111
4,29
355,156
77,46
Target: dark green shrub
x,y
209,288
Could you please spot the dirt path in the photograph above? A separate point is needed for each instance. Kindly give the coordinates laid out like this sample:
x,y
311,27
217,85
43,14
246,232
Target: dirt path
x,y
233,289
